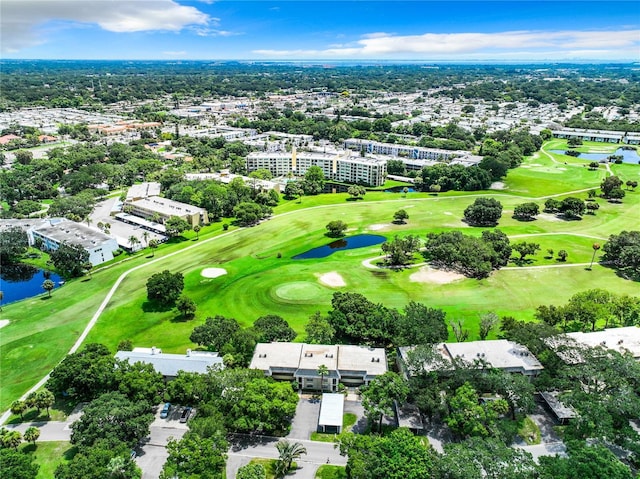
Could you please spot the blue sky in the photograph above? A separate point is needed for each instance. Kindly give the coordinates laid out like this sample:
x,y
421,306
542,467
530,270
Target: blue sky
x,y
321,30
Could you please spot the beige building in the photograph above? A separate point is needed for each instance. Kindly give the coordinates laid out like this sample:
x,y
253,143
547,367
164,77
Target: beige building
x,y
350,365
165,208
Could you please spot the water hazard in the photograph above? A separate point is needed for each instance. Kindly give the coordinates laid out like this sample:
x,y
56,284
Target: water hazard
x,y
628,156
20,281
353,242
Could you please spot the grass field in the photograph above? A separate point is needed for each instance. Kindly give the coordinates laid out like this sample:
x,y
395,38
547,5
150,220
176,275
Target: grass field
x,y
48,455
262,278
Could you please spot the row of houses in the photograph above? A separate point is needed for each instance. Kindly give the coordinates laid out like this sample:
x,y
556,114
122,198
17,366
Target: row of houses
x,y
600,136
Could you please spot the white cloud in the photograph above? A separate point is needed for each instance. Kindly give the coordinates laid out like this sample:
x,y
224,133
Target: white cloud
x,y
595,44
24,21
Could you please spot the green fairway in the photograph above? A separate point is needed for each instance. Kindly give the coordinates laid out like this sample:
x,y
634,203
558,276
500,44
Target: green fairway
x,y
262,278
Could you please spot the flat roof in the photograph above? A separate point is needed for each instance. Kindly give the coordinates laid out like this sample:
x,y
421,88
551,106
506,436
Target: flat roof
x,y
561,410
359,358
499,353
283,355
72,232
305,358
144,190
331,410
409,416
314,355
167,206
170,364
623,340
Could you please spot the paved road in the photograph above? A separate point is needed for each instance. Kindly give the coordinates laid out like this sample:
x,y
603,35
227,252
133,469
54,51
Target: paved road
x,y
245,448
49,430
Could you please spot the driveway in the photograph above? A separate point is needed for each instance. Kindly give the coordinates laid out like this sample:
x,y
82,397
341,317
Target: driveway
x,y
306,419
245,447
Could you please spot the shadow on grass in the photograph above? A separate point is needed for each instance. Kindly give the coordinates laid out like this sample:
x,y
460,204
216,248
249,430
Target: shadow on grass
x,y
155,307
45,298
181,318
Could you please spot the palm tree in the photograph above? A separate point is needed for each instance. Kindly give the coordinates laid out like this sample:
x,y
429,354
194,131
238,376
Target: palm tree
x,y
322,371
48,285
1,298
88,266
153,244
32,434
18,407
596,247
145,237
196,228
288,453
133,241
11,439
44,399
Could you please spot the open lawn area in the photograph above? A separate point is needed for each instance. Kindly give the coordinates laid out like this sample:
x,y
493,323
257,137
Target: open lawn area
x,y
262,278
48,455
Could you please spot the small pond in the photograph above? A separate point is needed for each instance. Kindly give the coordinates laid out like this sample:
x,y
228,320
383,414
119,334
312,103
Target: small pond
x,y
20,281
628,156
400,189
353,242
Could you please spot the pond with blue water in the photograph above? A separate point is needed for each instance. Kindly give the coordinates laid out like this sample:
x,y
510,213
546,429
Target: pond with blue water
x,y
21,281
353,242
628,156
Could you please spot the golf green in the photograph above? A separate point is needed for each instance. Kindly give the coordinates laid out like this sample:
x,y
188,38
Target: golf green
x,y
304,292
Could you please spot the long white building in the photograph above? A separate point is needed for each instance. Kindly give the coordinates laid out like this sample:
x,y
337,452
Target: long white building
x,y
338,166
52,233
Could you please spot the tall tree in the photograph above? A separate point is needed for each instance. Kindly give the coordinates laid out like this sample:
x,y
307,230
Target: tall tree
x,y
69,259
288,452
378,397
48,286
165,287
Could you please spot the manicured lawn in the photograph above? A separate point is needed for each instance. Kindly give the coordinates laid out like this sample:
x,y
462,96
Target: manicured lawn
x,y
270,466
331,472
48,455
262,278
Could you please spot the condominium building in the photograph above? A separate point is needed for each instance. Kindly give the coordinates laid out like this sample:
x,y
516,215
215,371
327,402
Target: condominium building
x,y
347,364
164,208
339,166
52,233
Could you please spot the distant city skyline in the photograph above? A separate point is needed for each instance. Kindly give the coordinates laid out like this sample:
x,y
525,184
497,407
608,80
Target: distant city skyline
x,y
499,31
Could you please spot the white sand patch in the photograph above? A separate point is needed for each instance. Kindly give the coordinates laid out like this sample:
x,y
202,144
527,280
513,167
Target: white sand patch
x,y
561,169
213,272
377,227
525,166
332,279
426,274
3,322
448,213
534,164
549,217
497,185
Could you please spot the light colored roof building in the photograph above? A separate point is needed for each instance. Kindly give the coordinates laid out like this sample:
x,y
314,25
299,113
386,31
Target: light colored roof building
x,y
499,354
143,190
169,364
623,340
56,231
166,208
347,364
331,413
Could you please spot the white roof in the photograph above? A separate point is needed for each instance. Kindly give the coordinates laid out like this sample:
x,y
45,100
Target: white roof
x,y
331,410
619,339
170,364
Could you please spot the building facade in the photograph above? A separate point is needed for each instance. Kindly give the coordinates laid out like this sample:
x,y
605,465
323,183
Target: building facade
x,y
52,233
164,208
350,365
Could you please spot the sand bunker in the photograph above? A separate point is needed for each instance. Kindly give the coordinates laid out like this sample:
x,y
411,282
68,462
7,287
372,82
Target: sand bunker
x,y
427,274
377,227
497,185
3,322
549,217
332,279
213,272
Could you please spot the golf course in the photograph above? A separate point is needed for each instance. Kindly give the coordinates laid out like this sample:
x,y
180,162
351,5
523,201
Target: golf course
x,y
250,272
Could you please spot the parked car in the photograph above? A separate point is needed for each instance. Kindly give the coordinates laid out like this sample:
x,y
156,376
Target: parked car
x,y
185,414
165,410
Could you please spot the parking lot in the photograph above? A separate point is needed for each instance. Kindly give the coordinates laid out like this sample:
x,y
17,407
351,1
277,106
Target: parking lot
x,y
153,453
